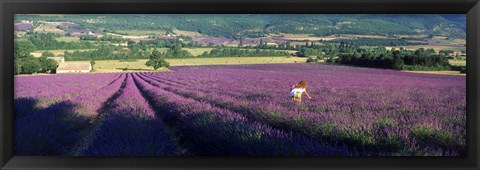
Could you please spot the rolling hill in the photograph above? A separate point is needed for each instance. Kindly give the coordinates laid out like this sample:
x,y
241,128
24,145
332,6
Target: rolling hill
x,y
255,25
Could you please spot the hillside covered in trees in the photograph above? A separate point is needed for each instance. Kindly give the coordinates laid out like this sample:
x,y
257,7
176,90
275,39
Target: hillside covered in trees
x,y
257,25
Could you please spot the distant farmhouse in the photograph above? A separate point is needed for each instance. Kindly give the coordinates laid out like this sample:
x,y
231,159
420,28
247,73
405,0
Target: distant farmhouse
x,y
74,67
71,67
27,21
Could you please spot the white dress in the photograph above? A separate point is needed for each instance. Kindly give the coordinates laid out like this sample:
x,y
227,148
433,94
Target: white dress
x,y
297,90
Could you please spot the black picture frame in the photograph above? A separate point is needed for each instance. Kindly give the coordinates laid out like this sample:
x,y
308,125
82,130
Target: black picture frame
x,y
471,8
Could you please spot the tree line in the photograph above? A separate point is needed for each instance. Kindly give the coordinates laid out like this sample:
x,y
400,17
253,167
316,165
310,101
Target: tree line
x,y
138,51
110,38
420,59
49,42
25,63
348,52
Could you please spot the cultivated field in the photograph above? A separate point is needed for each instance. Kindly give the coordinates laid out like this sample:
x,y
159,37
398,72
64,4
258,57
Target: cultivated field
x,y
131,37
197,51
459,41
446,72
311,37
235,61
455,73
193,51
458,62
121,66
46,27
139,65
302,37
141,32
241,110
188,33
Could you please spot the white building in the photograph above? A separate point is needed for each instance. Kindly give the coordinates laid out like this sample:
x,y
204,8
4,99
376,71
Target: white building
x,y
74,67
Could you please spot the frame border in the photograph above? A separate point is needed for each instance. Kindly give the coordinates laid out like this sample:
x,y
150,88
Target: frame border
x,y
10,7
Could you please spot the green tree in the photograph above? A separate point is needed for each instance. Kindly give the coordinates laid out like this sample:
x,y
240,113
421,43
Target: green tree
x,y
92,62
301,52
176,51
176,47
47,65
48,54
157,60
241,42
17,67
398,63
31,65
23,48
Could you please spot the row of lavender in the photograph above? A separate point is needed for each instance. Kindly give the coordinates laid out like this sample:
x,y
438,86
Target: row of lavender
x,y
212,131
59,127
380,112
36,92
101,120
242,111
116,120
130,128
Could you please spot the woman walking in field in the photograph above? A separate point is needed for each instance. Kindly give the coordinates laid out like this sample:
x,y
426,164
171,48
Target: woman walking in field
x,y
297,91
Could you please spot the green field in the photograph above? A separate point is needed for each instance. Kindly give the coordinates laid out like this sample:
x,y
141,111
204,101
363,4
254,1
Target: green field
x,y
458,62
139,65
197,51
68,39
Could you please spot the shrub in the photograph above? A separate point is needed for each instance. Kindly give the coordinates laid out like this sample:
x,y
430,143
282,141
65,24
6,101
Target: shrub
x,y
312,60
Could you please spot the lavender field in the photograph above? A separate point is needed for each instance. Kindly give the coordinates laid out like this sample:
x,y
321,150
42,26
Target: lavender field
x,y
242,110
